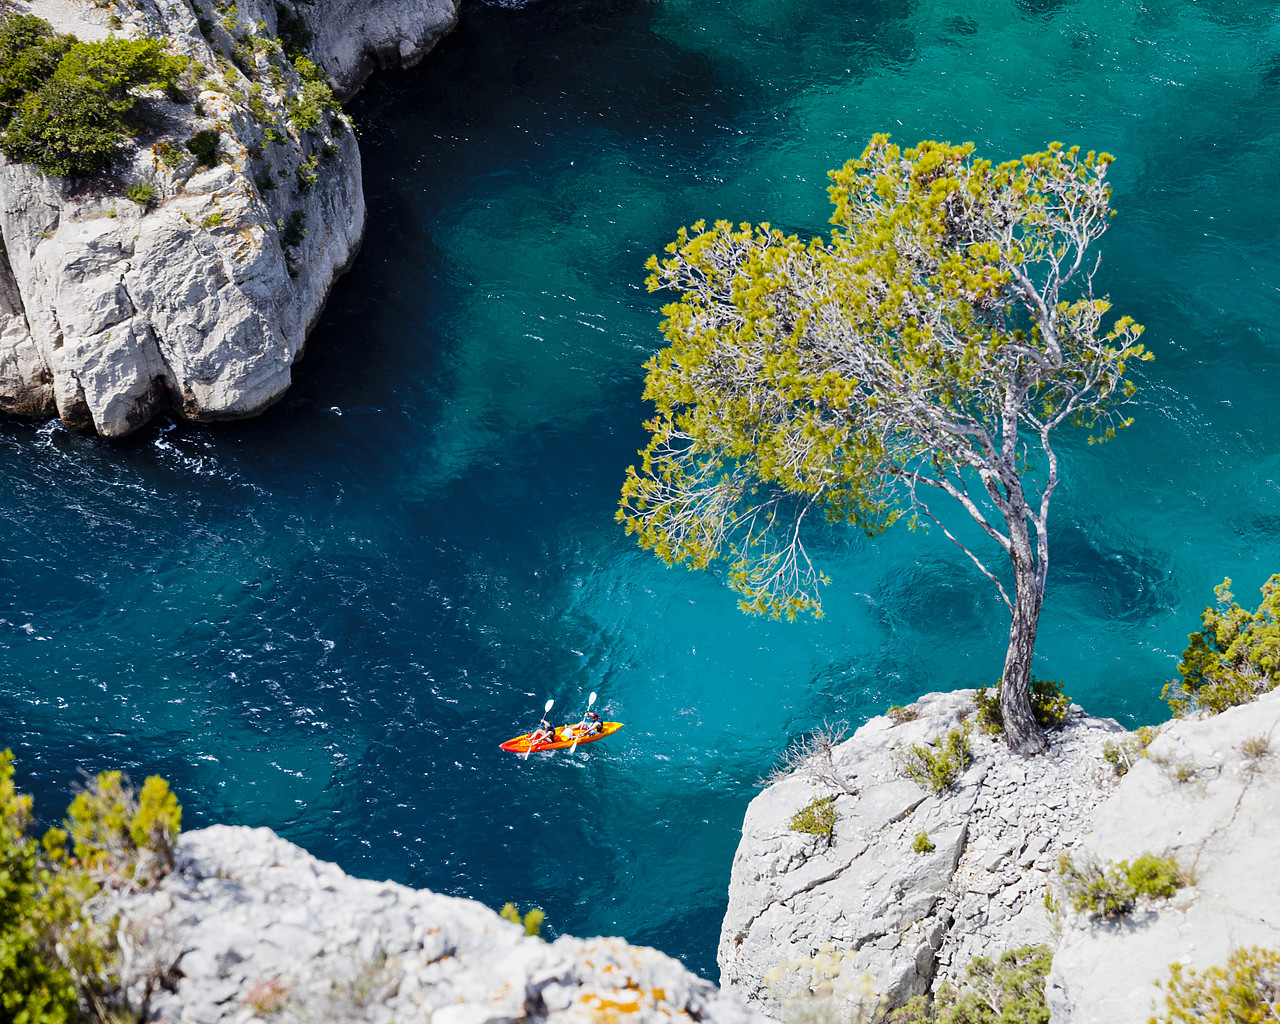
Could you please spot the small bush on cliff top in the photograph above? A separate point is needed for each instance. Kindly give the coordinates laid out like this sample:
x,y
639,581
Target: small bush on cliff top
x,y
1009,990
68,106
1048,703
57,960
938,765
1113,890
1245,990
1123,755
1234,659
532,921
816,818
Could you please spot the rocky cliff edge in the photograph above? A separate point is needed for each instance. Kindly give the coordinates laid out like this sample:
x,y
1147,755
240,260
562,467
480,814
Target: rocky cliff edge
x,y
867,921
250,927
200,300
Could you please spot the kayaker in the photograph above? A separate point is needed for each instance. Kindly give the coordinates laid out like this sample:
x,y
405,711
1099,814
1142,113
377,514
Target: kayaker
x,y
545,733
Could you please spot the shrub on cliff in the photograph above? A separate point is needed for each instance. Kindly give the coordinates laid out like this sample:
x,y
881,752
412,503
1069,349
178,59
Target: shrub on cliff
x,y
1113,890
67,106
1009,990
58,939
1234,659
816,818
1245,990
937,766
1049,706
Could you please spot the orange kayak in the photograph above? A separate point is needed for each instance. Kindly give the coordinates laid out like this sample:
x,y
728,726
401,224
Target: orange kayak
x,y
563,740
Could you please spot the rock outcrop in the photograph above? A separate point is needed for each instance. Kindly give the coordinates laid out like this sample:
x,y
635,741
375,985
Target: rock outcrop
x,y
249,926
868,917
200,302
1207,794
868,921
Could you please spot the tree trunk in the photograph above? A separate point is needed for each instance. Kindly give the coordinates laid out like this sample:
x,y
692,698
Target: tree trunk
x,y
1021,732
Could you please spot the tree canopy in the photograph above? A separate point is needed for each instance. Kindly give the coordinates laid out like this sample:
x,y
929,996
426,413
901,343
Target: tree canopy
x,y
928,348
68,106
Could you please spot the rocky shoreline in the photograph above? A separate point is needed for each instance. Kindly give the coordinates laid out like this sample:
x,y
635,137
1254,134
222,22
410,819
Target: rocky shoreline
x,y
199,301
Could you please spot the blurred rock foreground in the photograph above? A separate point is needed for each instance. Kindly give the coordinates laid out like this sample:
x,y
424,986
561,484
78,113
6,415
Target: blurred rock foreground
x,y
250,927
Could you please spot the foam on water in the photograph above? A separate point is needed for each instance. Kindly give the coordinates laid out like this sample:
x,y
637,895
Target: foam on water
x,y
326,619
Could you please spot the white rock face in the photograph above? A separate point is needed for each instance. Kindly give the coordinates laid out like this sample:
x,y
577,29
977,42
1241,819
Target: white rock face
x,y
355,37
1222,822
868,915
110,313
258,928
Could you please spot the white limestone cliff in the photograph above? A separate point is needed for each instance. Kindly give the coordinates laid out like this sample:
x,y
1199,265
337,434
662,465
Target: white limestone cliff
x,y
250,927
867,918
109,312
869,922
1210,800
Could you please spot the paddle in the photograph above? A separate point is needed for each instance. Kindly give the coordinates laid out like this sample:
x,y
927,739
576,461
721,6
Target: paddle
x,y
577,733
545,711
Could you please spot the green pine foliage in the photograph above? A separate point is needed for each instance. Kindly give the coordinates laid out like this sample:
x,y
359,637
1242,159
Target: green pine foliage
x,y
1048,703
531,922
67,106
1244,990
816,818
1124,754
57,961
1008,990
938,765
204,146
1234,659
1113,890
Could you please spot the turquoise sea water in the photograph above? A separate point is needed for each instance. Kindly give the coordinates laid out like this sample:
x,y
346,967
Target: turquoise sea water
x,y
326,619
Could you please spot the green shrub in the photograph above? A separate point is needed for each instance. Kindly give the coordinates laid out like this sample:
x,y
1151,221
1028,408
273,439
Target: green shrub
x,y
532,921
816,818
168,153
291,231
1245,990
30,52
55,958
1113,890
1009,990
72,116
1123,755
937,766
1048,704
142,194
307,175
898,715
308,108
204,146
292,29
1234,659
922,843
114,829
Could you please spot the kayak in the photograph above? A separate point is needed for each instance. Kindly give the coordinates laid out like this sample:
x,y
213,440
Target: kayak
x,y
563,740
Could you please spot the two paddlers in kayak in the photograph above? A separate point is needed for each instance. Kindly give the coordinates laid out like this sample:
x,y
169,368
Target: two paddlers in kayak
x,y
549,737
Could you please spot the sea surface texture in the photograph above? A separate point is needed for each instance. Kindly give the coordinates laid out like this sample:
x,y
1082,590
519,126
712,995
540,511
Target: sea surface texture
x,y
325,620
